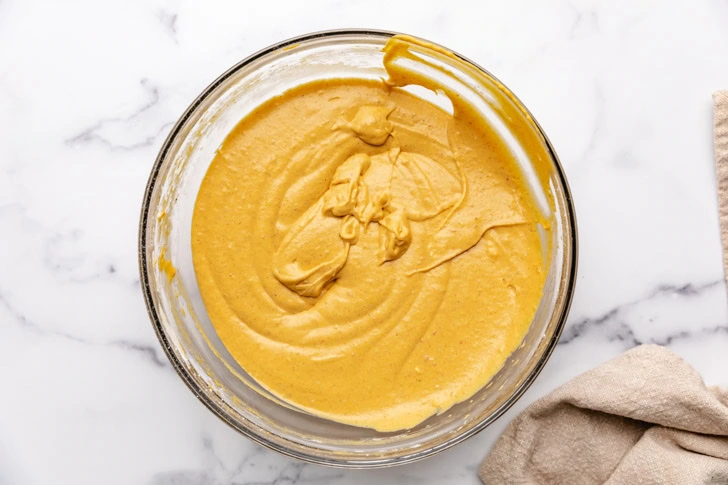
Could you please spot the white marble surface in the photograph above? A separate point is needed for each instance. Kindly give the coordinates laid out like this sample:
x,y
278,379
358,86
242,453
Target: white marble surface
x,y
88,90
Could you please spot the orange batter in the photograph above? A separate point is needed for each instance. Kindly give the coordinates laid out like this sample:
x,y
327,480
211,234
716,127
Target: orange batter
x,y
365,255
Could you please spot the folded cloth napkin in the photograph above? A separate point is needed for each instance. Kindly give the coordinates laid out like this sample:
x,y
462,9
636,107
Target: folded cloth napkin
x,y
645,417
720,142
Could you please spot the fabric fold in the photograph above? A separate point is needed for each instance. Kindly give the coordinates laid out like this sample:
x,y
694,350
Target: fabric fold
x,y
645,417
720,144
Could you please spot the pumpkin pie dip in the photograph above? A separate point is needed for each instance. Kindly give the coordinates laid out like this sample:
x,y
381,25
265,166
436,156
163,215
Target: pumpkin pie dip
x,y
365,255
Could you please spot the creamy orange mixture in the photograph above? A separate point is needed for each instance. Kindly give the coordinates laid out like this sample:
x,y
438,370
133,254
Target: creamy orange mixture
x,y
365,255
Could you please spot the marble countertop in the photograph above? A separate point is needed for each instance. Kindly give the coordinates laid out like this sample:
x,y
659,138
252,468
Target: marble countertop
x,y
88,91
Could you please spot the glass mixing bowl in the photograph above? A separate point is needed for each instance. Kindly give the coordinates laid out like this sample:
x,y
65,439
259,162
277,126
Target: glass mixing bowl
x,y
173,298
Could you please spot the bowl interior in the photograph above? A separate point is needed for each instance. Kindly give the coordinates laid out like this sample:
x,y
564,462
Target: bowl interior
x,y
179,315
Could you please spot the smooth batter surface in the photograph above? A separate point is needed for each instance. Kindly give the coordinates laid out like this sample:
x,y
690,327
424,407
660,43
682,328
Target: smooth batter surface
x,y
365,255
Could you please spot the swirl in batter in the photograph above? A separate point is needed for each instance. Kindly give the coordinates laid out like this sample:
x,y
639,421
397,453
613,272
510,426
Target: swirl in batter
x,y
365,255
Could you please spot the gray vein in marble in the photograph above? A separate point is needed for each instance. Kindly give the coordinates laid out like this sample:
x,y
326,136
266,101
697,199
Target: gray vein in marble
x,y
183,477
248,460
295,473
169,21
61,252
583,20
289,475
619,330
703,332
29,325
149,352
62,255
216,473
94,134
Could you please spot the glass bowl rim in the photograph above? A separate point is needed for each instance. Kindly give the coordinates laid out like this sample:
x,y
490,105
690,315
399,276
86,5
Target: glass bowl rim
x,y
201,393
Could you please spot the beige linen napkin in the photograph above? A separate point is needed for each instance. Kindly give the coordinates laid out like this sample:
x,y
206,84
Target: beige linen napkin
x,y
644,417
720,142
